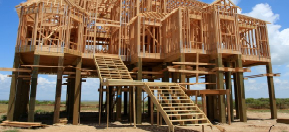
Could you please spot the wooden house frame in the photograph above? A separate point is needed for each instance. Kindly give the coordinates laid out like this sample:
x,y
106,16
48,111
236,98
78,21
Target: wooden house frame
x,y
177,39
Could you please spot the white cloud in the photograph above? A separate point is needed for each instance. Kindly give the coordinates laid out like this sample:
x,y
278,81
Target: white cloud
x,y
278,38
258,70
251,81
45,81
236,2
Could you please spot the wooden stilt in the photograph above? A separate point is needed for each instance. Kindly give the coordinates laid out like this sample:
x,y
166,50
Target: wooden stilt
x,y
19,97
134,112
131,104
118,104
100,103
209,100
71,98
67,95
13,87
33,89
151,106
271,92
228,81
204,104
241,91
220,85
228,105
77,92
125,97
139,94
236,96
107,106
58,90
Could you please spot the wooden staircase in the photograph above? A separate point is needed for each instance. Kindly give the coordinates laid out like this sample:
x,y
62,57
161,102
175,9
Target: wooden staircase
x,y
170,99
175,106
111,67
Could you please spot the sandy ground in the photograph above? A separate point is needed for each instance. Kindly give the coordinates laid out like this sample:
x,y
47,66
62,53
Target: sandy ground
x,y
257,122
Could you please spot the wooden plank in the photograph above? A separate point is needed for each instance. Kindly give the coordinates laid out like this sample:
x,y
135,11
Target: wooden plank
x,y
76,93
13,88
285,121
58,90
16,69
271,92
33,89
241,91
139,94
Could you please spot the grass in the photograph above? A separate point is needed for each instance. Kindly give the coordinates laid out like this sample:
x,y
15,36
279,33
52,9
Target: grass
x,y
15,130
91,106
268,110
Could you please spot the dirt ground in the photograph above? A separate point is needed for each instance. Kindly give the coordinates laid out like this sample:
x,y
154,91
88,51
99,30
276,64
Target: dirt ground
x,y
257,122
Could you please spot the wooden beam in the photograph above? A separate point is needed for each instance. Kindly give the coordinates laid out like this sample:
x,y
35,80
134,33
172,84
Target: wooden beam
x,y
139,94
285,121
77,90
118,103
220,86
228,82
58,90
271,92
13,88
241,91
33,89
16,69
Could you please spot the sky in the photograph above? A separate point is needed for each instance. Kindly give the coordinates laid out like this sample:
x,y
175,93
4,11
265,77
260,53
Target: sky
x,y
274,11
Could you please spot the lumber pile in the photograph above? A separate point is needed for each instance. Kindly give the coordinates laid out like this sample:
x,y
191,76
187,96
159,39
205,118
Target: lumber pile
x,y
29,125
285,121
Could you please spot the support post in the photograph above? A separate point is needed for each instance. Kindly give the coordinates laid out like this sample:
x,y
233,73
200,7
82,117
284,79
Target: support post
x,y
25,97
111,103
71,98
58,90
19,97
241,91
236,95
67,95
139,94
220,86
12,97
125,102
229,87
77,90
209,100
118,104
33,89
151,106
271,92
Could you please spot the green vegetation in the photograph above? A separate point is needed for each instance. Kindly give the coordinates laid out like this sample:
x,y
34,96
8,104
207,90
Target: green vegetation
x,y
37,102
263,103
3,101
15,130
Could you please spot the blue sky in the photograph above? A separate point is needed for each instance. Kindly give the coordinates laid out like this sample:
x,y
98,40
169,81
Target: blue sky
x,y
275,11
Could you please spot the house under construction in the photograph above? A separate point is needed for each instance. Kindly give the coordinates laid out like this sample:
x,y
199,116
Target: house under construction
x,y
122,42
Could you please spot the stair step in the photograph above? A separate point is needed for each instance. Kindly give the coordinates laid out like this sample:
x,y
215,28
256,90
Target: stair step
x,y
174,96
180,107
201,119
180,110
200,124
168,89
177,103
173,115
